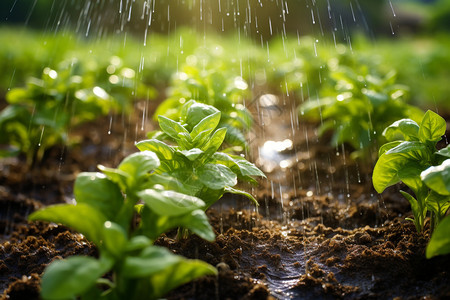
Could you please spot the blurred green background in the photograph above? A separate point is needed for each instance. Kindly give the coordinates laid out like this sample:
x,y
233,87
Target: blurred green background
x,y
255,18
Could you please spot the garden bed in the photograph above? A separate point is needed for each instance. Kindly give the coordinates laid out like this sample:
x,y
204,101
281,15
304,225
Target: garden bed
x,y
321,231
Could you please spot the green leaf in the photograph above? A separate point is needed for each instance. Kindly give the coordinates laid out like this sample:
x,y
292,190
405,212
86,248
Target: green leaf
x,y
388,146
71,277
114,238
139,164
170,127
432,127
177,274
192,154
217,176
170,203
404,129
242,193
440,240
161,149
81,217
408,148
207,124
138,242
216,141
96,190
444,152
197,112
385,172
234,136
437,178
115,175
151,260
198,223
248,169
154,225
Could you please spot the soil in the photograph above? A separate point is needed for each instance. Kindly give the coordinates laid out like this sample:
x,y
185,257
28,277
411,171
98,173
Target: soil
x,y
320,232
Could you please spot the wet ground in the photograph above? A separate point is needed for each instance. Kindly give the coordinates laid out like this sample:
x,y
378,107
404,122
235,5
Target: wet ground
x,y
320,232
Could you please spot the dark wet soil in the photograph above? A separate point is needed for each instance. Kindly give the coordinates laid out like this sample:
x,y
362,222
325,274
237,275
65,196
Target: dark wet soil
x,y
320,232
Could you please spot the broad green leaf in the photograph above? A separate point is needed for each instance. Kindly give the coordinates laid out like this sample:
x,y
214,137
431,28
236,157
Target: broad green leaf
x,y
445,151
234,136
248,169
71,277
432,127
198,223
114,238
207,124
216,140
437,178
192,154
154,225
385,172
161,149
151,260
170,203
410,175
99,192
224,159
440,240
242,193
139,164
404,129
177,274
408,148
115,175
170,127
217,176
388,146
197,112
81,217
184,140
138,242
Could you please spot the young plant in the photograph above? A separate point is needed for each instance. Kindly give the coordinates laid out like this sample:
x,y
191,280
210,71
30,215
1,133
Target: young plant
x,y
225,93
410,152
359,107
195,166
107,204
39,115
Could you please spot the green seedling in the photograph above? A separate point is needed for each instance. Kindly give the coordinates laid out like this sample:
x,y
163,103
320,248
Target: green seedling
x,y
225,93
410,152
195,165
105,213
40,115
359,107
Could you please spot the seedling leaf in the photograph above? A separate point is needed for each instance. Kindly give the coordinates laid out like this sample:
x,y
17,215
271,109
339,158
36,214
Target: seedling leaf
x,y
170,203
404,129
242,193
81,217
170,127
437,178
432,127
178,274
207,124
68,278
217,176
440,240
96,190
151,260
